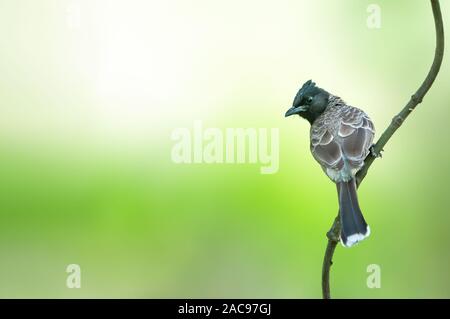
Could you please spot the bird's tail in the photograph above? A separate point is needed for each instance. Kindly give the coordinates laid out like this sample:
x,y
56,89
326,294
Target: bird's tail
x,y
353,226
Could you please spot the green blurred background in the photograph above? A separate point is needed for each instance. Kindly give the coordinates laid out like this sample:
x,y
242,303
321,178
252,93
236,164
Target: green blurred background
x,y
91,90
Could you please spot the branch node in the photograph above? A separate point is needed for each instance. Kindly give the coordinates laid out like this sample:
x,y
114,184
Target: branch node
x,y
334,234
416,99
331,235
397,120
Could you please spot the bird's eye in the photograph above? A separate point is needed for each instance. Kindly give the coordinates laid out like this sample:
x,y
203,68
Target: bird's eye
x,y
309,100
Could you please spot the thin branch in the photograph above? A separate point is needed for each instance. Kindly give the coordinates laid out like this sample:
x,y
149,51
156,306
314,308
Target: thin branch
x,y
397,121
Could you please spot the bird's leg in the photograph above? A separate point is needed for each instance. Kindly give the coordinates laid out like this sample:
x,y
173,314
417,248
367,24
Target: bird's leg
x,y
375,153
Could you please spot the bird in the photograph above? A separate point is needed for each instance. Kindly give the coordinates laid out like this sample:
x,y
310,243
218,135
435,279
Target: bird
x,y
341,137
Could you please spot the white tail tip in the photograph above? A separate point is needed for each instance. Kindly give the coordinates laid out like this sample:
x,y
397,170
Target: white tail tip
x,y
355,238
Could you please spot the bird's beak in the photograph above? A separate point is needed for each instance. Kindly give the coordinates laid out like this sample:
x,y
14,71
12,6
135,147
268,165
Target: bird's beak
x,y
294,110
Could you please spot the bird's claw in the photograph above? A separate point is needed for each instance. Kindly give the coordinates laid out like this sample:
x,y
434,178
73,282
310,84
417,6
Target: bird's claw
x,y
375,153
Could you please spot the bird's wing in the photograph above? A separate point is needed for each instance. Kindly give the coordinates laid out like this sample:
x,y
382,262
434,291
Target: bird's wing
x,y
355,132
325,148
348,139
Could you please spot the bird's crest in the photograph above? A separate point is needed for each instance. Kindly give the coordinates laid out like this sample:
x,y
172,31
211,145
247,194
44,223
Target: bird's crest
x,y
306,87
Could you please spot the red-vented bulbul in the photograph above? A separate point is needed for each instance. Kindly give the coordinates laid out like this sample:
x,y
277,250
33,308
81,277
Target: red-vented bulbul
x,y
341,137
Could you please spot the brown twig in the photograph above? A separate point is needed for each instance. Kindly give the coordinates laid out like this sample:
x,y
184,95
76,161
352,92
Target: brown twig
x,y
397,121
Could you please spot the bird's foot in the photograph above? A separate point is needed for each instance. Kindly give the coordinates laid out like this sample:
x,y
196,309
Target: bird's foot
x,y
375,153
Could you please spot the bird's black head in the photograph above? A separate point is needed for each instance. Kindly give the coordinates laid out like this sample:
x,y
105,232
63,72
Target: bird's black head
x,y
310,102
